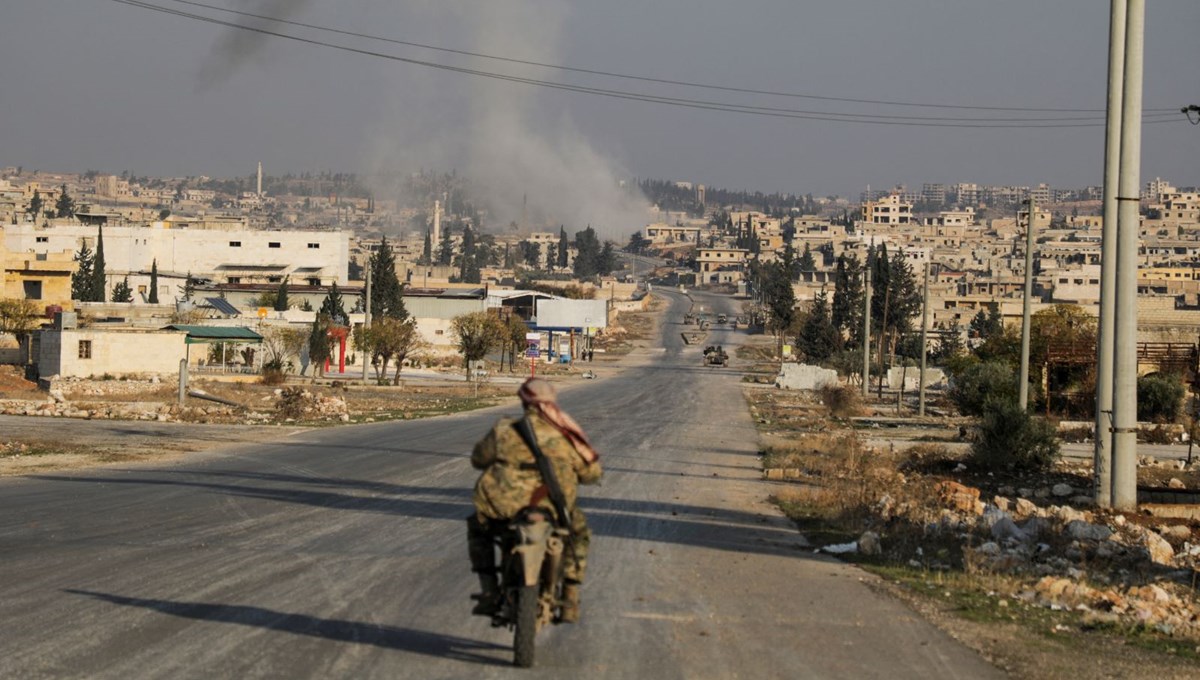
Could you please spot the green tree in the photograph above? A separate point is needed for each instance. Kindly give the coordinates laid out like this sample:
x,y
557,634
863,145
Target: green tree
x,y
637,244
1012,440
776,290
979,384
387,294
35,204
65,206
987,322
18,317
152,298
806,262
427,249
587,256
563,247
476,334
385,339
83,278
281,296
533,254
320,347
818,338
445,254
846,311
121,291
606,262
334,307
99,278
1160,397
514,339
950,344
468,262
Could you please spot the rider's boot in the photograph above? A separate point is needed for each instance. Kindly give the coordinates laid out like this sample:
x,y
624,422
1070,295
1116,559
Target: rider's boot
x,y
570,603
488,601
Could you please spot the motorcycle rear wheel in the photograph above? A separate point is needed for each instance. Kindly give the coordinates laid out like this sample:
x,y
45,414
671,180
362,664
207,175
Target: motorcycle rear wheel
x,y
525,627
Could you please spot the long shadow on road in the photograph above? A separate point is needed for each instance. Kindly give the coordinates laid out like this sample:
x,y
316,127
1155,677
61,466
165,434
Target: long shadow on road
x,y
649,520
388,637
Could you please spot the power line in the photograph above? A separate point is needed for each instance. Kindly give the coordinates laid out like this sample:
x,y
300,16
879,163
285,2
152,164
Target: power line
x,y
650,79
874,119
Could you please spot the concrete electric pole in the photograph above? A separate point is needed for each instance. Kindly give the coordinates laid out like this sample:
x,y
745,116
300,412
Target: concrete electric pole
x,y
924,349
1026,308
866,333
1102,453
1124,439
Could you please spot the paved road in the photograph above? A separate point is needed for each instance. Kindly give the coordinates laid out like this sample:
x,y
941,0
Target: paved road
x,y
340,553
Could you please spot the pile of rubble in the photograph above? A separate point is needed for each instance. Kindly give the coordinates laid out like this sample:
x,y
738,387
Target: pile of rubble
x,y
57,406
296,403
1102,564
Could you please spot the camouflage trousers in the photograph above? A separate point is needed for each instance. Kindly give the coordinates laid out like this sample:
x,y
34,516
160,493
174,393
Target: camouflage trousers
x,y
481,546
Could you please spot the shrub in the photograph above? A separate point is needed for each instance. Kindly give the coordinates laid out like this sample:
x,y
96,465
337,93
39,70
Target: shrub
x,y
1159,397
273,373
980,383
1010,439
842,401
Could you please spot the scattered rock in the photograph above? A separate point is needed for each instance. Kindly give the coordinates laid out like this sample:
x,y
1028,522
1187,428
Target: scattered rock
x,y
1084,531
964,499
1062,490
869,544
1176,483
1024,508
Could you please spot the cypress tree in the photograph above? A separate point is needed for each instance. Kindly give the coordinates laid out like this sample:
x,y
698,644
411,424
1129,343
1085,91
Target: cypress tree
x,y
563,245
98,276
152,298
82,279
281,296
387,295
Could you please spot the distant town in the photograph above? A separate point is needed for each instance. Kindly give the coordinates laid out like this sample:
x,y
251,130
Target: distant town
x,y
218,250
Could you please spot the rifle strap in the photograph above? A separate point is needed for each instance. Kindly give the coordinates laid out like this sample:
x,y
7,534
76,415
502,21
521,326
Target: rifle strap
x,y
557,498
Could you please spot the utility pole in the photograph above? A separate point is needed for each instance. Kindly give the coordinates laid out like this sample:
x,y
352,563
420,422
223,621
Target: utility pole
x,y
367,321
1027,306
1124,440
924,351
1102,453
866,333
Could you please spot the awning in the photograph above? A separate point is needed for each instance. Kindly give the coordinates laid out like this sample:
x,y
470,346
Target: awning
x,y
215,334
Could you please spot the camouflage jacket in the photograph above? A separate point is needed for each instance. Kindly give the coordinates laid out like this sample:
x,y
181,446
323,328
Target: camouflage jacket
x,y
510,476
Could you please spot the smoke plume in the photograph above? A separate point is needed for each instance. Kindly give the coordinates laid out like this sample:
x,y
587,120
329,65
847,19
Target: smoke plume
x,y
236,47
533,166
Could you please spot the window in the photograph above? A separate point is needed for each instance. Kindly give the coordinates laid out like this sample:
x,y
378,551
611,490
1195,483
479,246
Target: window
x,y
235,244
33,290
235,279
314,282
273,244
85,349
439,332
43,239
314,246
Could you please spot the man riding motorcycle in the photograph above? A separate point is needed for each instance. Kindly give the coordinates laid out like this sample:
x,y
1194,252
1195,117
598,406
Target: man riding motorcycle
x,y
511,481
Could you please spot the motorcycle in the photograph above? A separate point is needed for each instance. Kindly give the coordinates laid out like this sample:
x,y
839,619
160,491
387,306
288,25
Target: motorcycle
x,y
531,578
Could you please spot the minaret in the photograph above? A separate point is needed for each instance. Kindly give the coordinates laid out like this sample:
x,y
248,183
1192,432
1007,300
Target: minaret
x,y
260,179
437,228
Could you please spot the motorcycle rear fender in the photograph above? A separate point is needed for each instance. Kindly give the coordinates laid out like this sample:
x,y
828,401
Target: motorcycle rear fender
x,y
531,550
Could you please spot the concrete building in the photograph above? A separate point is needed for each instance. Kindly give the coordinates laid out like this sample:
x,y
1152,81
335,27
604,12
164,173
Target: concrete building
x,y
96,351
229,254
44,278
887,210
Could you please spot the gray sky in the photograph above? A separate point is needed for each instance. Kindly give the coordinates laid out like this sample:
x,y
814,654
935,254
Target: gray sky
x,y
97,85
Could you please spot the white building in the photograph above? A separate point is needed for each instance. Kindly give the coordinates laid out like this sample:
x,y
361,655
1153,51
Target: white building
x,y
230,254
